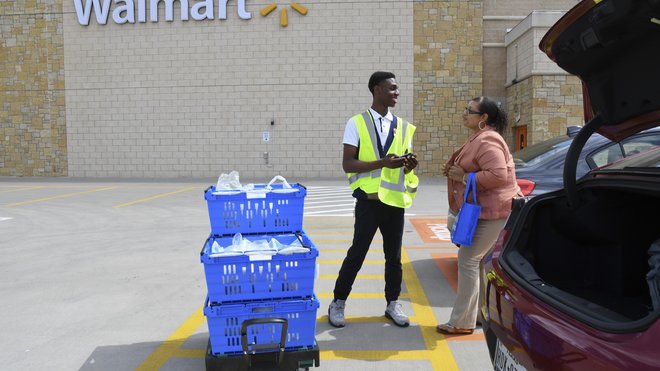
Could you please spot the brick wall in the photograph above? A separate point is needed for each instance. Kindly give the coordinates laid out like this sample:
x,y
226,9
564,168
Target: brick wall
x,y
32,115
193,98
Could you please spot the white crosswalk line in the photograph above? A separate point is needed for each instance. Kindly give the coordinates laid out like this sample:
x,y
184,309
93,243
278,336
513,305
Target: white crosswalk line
x,y
329,201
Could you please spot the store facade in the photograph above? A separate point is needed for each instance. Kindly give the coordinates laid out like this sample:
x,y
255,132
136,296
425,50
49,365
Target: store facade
x,y
113,88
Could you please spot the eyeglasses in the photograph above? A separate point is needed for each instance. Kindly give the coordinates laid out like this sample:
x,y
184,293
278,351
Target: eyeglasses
x,y
468,111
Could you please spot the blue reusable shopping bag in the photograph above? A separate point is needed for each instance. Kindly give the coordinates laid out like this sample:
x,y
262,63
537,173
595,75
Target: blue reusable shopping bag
x,y
468,216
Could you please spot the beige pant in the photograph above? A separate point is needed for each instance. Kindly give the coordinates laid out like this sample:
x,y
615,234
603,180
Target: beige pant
x,y
464,314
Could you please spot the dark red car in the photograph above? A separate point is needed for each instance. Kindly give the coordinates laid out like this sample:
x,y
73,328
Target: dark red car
x,y
573,282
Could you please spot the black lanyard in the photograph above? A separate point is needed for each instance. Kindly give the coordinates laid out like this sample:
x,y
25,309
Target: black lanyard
x,y
390,136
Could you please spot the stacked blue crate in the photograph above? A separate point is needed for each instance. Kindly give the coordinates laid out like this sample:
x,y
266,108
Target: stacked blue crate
x,y
261,302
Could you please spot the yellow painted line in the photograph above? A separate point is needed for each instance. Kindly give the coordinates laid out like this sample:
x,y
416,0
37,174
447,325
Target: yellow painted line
x,y
355,319
51,186
154,197
317,242
359,276
371,262
379,355
171,345
61,196
439,353
321,227
22,189
357,295
346,249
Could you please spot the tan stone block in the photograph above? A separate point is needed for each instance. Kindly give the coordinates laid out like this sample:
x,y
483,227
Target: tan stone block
x,y
422,137
539,103
556,125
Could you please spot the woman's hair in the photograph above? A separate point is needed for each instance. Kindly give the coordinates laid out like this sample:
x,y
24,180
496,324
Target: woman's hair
x,y
496,116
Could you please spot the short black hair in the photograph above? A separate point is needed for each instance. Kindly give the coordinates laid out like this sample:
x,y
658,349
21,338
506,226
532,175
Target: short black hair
x,y
377,77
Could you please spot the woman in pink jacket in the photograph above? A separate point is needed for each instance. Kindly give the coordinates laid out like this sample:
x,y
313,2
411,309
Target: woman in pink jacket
x,y
486,154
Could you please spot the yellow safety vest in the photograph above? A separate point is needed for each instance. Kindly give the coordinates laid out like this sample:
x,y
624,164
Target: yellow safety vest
x,y
394,186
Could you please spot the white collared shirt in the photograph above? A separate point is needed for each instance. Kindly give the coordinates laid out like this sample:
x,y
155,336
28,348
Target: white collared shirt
x,y
352,137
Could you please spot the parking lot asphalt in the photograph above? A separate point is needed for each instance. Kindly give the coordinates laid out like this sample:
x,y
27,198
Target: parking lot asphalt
x,y
101,274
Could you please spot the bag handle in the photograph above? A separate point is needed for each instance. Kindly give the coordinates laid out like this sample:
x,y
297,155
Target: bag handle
x,y
285,184
471,185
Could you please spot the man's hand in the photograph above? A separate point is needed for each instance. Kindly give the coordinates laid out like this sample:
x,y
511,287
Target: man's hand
x,y
392,161
410,161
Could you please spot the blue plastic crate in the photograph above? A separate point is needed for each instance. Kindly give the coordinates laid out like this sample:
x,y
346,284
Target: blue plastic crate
x,y
259,327
250,277
259,211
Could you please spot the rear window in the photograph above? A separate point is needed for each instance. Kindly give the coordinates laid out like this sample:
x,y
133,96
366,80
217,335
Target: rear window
x,y
537,153
649,158
629,147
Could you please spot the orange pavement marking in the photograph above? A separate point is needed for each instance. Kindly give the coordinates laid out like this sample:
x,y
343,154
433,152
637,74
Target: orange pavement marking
x,y
475,336
432,230
447,263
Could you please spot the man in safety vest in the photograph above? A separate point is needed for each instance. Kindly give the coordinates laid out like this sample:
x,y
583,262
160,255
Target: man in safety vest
x,y
379,164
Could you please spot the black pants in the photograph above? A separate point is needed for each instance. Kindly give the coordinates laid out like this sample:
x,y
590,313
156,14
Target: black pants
x,y
371,215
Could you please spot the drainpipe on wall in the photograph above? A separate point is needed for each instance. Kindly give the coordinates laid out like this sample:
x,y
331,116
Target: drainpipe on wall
x,y
515,78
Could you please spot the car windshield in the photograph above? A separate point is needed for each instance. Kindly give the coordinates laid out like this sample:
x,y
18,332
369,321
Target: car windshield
x,y
649,158
538,152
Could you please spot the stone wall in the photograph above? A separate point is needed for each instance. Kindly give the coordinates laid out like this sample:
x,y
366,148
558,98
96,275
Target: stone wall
x,y
540,95
33,137
448,73
547,104
500,16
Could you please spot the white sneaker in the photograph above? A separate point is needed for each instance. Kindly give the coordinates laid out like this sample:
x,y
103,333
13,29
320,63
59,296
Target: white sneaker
x,y
336,313
395,312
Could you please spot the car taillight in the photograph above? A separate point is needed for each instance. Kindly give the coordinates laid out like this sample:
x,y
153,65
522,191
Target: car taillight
x,y
526,186
501,240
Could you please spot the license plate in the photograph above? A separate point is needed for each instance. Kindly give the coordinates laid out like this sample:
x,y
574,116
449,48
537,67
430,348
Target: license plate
x,y
504,360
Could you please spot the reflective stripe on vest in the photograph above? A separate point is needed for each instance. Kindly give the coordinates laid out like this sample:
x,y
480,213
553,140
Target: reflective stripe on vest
x,y
397,188
374,174
400,185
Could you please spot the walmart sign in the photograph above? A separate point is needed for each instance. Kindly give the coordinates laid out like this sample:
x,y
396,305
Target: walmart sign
x,y
124,11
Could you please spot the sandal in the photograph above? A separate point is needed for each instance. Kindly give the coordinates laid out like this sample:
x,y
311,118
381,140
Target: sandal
x,y
451,330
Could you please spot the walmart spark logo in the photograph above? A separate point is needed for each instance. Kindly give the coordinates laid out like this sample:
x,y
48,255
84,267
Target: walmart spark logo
x,y
284,19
